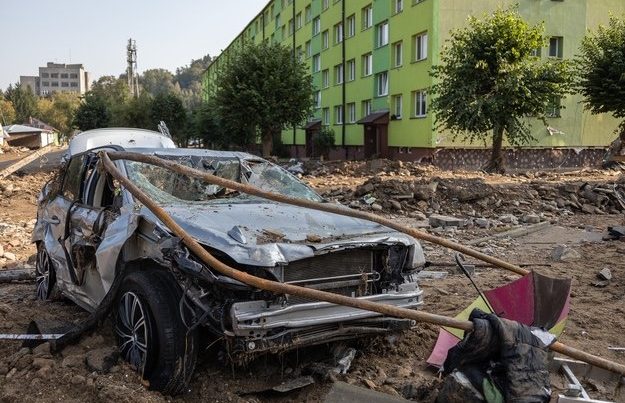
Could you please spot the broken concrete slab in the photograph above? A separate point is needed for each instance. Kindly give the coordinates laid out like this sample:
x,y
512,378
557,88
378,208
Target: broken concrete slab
x,y
342,392
563,253
605,274
437,220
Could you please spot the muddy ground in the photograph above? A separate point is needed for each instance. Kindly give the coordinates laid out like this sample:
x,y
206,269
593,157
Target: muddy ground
x,y
393,364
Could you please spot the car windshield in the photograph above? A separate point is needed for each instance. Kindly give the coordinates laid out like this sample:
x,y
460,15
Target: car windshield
x,y
167,187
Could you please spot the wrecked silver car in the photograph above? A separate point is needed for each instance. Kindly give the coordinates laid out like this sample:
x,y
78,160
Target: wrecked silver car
x,y
98,246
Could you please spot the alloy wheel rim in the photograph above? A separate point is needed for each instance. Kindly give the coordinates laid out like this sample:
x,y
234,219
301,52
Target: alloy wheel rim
x,y
132,330
43,275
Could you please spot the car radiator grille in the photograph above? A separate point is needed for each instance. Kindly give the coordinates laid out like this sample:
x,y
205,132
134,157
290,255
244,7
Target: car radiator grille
x,y
347,272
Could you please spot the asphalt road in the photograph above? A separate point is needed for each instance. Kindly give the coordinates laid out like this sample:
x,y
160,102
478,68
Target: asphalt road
x,y
46,163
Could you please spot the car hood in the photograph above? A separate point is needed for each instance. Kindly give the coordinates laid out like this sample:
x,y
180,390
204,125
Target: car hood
x,y
266,234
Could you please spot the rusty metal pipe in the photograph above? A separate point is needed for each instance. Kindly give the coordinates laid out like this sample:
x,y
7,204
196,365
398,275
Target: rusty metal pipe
x,y
282,288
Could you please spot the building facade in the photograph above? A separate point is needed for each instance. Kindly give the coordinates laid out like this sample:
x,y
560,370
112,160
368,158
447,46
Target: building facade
x,y
370,62
58,77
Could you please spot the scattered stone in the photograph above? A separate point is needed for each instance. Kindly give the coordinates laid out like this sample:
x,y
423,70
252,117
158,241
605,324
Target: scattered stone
x,y
42,349
43,362
9,256
78,380
1,250
370,384
531,219
509,219
313,238
24,362
482,222
588,208
437,220
563,253
376,207
605,274
102,359
74,361
395,204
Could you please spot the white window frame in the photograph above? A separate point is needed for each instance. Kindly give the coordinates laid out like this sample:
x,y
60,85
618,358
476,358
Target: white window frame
x,y
338,33
559,41
317,99
421,46
351,112
381,80
398,107
325,5
308,49
367,64
298,21
325,78
420,104
399,6
381,34
398,54
338,114
351,70
325,39
316,63
351,25
316,26
339,74
308,14
367,17
325,116
366,107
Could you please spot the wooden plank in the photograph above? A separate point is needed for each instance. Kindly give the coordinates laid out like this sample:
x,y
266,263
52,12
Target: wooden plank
x,y
24,161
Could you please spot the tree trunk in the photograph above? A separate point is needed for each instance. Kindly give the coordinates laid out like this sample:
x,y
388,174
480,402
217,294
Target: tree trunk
x,y
616,147
496,162
267,144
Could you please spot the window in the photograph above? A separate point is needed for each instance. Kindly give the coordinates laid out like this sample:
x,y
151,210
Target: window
x,y
291,27
325,78
338,114
317,99
325,39
382,83
73,178
399,6
45,75
338,33
64,84
555,46
338,74
55,83
366,107
46,83
351,70
325,5
308,49
553,107
351,112
398,54
316,27
298,51
536,52
316,63
367,17
420,104
298,21
278,22
64,75
74,84
54,75
351,25
367,64
421,46
325,116
307,14
382,34
397,106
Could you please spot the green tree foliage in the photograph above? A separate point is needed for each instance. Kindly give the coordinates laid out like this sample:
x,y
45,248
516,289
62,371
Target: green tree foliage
x,y
93,113
206,128
115,95
263,90
169,108
158,81
24,102
323,142
600,69
7,112
489,82
138,112
58,110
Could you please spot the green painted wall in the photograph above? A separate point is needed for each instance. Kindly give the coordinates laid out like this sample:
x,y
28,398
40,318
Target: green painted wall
x,y
569,19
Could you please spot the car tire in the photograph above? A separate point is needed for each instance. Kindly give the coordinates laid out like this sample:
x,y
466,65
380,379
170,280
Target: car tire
x,y
45,274
151,336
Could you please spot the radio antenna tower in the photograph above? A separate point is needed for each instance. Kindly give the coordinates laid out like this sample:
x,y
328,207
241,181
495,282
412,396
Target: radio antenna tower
x,y
131,71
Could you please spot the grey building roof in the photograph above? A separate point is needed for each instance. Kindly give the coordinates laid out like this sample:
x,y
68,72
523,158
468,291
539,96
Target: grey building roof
x,y
22,129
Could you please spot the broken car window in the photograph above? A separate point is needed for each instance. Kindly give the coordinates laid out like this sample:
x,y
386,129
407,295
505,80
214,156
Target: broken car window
x,y
167,187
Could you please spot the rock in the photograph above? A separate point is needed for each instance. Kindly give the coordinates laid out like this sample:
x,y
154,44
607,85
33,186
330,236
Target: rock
x,y
43,362
482,222
11,373
74,361
364,189
418,215
102,359
313,238
15,357
10,256
78,380
437,220
531,219
42,349
24,362
605,274
44,372
395,204
509,219
1,250
370,384
563,253
4,369
376,207
588,208
425,192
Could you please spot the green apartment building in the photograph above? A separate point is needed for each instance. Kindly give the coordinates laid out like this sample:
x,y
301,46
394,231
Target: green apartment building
x,y
370,63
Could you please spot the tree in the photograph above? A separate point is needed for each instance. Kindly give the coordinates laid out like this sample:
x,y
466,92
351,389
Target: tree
x,y
169,108
489,81
58,110
92,113
7,112
263,90
115,94
158,81
138,112
205,126
600,70
24,101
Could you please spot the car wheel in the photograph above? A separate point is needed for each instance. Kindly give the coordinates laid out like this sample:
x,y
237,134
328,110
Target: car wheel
x,y
150,333
45,275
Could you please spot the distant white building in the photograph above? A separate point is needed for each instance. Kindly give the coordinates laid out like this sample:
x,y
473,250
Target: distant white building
x,y
58,77
30,137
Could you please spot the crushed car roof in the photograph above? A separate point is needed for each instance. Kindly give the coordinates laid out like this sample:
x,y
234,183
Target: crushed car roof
x,y
124,137
199,152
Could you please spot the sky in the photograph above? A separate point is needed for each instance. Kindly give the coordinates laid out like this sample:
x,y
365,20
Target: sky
x,y
95,33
